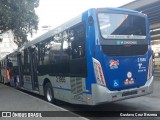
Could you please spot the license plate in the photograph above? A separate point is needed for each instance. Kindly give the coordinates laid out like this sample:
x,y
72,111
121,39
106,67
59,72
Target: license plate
x,y
129,93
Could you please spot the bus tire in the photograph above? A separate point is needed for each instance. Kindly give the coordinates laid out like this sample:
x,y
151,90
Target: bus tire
x,y
3,81
16,83
48,92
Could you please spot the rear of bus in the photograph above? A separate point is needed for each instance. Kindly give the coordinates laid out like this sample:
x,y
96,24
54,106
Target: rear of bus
x,y
123,59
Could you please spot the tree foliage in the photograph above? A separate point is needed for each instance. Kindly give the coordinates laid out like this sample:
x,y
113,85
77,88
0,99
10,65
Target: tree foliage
x,y
18,16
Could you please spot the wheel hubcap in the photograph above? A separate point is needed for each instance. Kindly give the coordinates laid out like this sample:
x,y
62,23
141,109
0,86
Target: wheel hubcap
x,y
49,94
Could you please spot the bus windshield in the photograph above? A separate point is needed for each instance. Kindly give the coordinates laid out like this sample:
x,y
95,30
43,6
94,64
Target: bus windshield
x,y
122,26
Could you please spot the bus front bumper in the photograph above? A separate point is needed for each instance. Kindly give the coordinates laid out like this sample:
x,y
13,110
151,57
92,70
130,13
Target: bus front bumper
x,y
101,94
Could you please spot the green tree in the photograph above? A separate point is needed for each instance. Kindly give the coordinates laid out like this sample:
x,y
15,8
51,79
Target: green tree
x,y
18,16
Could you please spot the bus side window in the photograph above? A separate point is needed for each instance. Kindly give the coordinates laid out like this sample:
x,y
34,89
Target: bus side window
x,y
35,56
42,51
78,51
26,62
50,56
78,42
41,54
54,49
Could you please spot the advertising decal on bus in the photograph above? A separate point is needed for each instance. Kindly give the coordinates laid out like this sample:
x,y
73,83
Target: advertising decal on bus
x,y
129,80
114,64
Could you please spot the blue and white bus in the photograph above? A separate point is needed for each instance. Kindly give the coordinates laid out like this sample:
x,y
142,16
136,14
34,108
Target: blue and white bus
x,y
103,55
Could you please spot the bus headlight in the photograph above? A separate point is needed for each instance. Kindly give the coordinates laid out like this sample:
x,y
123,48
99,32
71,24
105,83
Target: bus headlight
x,y
98,72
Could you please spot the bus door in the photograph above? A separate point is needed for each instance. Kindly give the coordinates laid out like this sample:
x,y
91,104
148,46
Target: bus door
x,y
34,64
20,71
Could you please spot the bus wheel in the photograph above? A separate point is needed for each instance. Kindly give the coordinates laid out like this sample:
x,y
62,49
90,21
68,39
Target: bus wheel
x,y
3,81
16,85
48,91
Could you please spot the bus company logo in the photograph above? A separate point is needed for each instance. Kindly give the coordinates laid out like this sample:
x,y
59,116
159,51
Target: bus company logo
x,y
114,64
140,65
141,68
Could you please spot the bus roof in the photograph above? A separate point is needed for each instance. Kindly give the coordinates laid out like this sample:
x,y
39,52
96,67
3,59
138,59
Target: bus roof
x,y
119,10
53,32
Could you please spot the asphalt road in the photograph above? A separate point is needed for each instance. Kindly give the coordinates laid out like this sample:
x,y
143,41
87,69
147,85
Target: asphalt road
x,y
14,100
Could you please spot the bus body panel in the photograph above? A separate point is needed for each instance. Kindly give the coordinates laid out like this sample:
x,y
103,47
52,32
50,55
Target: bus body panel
x,y
110,96
90,43
123,72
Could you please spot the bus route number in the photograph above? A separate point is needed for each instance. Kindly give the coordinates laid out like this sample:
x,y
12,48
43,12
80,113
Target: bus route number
x,y
60,79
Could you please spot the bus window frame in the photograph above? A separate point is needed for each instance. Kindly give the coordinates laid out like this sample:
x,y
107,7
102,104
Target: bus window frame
x,y
119,12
